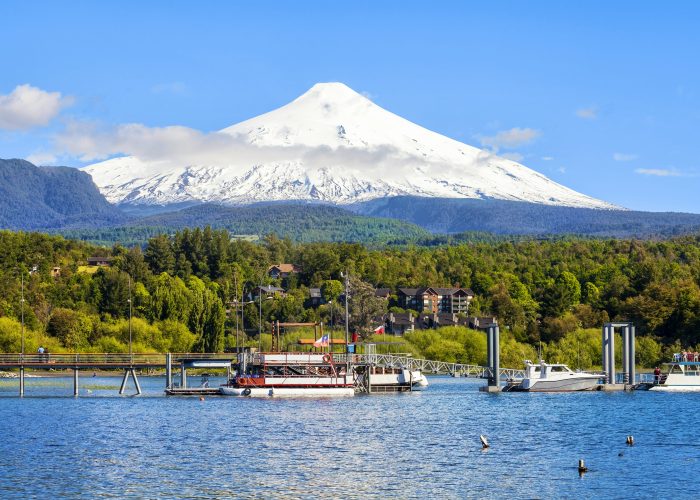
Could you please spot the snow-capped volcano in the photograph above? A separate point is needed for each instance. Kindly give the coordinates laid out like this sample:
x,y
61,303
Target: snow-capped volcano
x,y
329,145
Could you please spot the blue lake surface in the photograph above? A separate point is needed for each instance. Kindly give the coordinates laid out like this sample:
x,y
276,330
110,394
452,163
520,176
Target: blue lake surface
x,y
417,445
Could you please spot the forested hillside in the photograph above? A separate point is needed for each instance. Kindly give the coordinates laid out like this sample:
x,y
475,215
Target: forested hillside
x,y
544,291
299,222
51,197
453,215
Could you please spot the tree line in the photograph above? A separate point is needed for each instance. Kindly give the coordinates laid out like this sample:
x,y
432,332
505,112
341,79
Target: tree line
x,y
182,285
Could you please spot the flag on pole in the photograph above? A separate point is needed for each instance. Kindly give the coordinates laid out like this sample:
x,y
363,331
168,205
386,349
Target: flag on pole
x,y
379,330
322,342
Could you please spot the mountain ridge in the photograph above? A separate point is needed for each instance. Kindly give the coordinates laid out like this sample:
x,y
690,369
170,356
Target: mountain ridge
x,y
34,197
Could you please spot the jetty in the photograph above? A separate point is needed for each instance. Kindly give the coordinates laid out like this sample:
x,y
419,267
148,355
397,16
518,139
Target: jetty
x,y
180,363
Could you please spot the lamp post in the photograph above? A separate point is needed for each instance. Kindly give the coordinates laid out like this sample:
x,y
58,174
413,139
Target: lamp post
x,y
331,304
260,318
22,315
347,321
131,354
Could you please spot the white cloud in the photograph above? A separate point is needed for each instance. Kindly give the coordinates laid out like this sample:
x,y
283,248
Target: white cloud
x,y
587,113
176,88
547,158
561,170
624,157
369,95
182,145
26,107
659,172
510,138
513,156
41,158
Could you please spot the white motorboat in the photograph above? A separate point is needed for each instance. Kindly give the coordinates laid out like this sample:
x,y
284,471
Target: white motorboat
x,y
383,379
546,377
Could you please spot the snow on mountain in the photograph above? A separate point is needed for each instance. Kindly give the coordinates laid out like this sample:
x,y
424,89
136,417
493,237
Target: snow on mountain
x,y
329,145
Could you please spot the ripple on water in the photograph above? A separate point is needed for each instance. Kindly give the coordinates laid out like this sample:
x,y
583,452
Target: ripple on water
x,y
409,445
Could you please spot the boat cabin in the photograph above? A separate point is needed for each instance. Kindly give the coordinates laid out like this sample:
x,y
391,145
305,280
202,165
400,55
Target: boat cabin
x,y
544,370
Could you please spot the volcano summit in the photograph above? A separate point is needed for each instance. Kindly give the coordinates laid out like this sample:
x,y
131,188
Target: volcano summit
x,y
329,145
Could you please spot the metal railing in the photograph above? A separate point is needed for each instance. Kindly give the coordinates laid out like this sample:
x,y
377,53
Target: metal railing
x,y
426,365
122,359
105,359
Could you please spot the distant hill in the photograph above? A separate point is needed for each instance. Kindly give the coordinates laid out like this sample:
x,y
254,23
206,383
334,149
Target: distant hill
x,y
34,197
299,222
449,215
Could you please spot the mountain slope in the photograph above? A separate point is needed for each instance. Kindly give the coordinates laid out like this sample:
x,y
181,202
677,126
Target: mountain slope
x,y
306,223
516,218
49,197
329,145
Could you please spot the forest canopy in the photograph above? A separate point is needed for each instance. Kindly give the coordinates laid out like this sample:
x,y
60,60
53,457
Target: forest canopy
x,y
182,286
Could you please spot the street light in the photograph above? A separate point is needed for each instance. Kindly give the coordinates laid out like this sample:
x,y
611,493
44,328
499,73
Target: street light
x,y
347,321
236,304
131,355
22,302
22,314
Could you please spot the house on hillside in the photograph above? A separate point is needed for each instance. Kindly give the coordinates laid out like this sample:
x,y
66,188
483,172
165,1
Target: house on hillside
x,y
315,297
418,299
454,300
268,291
100,261
436,300
481,323
399,323
437,320
382,293
283,271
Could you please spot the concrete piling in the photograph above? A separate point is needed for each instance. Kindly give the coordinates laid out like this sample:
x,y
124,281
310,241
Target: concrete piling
x,y
124,381
168,371
136,381
628,353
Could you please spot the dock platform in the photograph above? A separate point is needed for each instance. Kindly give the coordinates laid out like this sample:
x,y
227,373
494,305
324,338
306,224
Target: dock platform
x,y
193,391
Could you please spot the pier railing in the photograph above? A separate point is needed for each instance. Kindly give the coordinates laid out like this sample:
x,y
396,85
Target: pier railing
x,y
426,365
107,360
116,360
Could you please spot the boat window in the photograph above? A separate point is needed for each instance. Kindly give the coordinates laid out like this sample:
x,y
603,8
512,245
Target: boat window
x,y
558,369
676,369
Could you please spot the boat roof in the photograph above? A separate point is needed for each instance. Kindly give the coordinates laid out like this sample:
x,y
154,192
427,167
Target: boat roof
x,y
686,363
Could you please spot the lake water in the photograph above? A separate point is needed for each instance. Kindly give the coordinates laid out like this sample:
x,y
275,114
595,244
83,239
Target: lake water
x,y
417,445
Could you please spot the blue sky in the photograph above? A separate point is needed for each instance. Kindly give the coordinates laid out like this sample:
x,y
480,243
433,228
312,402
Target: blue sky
x,y
603,97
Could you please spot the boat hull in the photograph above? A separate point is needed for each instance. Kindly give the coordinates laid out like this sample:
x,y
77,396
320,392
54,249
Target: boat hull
x,y
414,380
287,391
674,388
561,385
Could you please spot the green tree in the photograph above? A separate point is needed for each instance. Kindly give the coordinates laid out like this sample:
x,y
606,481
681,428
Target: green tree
x,y
331,290
364,307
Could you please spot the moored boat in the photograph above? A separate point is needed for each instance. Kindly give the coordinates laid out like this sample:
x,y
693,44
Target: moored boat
x,y
545,377
289,374
383,379
683,374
